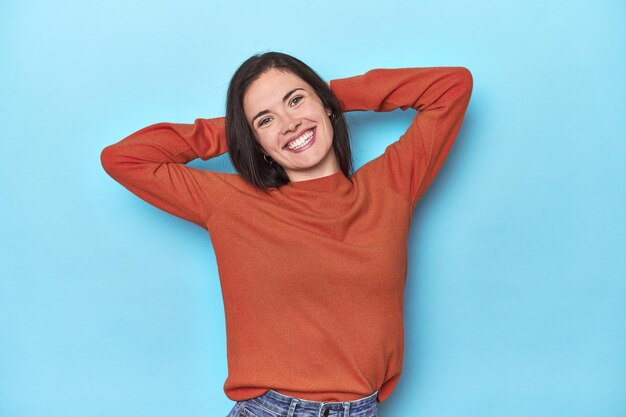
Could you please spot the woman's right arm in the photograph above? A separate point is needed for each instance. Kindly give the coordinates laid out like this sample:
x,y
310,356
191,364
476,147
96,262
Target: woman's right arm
x,y
151,164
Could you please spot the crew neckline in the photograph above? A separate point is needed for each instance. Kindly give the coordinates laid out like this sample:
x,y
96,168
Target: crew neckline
x,y
328,183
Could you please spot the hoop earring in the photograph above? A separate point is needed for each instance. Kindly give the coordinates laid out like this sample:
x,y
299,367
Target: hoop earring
x,y
270,161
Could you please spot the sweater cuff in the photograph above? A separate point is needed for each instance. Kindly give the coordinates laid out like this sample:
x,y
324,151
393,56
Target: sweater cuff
x,y
347,91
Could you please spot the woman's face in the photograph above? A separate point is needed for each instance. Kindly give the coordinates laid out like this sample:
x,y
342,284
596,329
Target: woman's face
x,y
291,124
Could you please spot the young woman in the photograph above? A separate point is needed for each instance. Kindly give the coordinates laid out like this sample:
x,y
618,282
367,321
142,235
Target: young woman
x,y
312,257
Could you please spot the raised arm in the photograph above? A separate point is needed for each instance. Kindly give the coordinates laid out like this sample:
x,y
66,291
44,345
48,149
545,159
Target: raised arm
x,y
151,164
439,94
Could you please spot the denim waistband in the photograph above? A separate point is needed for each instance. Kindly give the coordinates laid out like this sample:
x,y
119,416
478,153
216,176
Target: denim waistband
x,y
280,404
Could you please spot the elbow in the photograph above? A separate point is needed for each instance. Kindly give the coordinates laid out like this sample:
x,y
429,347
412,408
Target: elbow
x,y
109,159
465,79
461,84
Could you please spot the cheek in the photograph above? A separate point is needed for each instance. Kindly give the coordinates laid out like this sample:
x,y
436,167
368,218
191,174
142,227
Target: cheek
x,y
263,139
329,128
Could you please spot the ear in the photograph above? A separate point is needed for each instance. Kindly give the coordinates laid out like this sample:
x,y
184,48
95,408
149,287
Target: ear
x,y
328,112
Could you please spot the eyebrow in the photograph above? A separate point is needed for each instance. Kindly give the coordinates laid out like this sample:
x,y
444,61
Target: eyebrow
x,y
261,113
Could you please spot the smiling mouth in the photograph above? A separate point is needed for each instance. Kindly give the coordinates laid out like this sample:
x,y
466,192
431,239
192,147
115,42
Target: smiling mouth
x,y
301,141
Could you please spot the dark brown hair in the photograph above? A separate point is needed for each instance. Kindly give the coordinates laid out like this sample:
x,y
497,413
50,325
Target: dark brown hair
x,y
246,154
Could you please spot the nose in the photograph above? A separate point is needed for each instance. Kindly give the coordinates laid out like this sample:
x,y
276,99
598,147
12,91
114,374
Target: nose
x,y
290,123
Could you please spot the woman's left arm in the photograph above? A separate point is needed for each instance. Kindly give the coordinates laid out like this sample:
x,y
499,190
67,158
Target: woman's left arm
x,y
439,94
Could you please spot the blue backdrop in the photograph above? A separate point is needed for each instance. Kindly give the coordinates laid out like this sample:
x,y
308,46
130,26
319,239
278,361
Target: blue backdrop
x,y
516,294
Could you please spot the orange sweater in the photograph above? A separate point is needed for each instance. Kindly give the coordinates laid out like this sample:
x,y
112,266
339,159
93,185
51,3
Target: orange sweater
x,y
313,273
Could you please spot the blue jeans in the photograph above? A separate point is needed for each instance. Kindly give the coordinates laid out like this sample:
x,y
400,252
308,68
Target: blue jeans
x,y
275,404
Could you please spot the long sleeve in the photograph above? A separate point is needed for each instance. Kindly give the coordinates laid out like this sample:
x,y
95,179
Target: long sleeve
x,y
439,94
151,164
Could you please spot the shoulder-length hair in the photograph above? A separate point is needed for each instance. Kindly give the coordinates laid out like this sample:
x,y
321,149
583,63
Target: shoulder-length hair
x,y
246,154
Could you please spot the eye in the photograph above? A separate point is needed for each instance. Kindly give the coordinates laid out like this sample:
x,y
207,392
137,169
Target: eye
x,y
299,98
262,122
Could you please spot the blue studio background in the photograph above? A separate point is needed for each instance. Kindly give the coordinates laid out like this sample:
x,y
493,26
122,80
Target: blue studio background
x,y
516,294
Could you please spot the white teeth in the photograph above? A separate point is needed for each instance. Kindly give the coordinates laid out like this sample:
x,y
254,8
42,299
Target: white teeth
x,y
301,141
